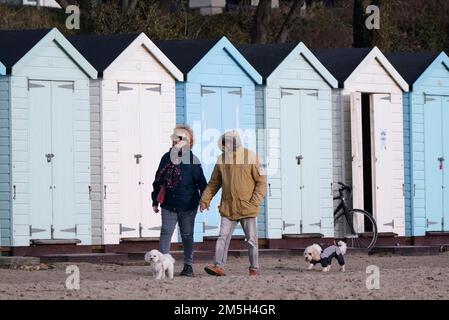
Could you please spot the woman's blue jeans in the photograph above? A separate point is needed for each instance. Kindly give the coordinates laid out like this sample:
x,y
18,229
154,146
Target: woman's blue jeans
x,y
186,220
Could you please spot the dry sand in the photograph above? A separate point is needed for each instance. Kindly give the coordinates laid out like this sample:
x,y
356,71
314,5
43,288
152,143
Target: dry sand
x,y
282,278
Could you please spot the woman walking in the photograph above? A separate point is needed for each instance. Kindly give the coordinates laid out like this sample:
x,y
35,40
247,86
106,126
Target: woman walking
x,y
177,188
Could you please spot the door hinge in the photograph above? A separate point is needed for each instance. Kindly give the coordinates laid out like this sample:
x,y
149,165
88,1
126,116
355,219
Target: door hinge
x,y
318,224
430,223
70,86
236,92
155,228
140,229
206,227
32,85
125,229
315,94
90,192
390,224
206,91
414,189
121,88
285,93
269,190
388,98
72,230
14,192
52,232
428,98
286,225
156,88
35,230
403,189
105,189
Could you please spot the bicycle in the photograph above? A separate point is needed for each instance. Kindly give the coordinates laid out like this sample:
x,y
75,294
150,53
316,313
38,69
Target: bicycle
x,y
357,227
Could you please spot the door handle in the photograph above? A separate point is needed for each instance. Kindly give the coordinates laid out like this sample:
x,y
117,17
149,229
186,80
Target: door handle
x,y
298,159
441,160
138,157
49,156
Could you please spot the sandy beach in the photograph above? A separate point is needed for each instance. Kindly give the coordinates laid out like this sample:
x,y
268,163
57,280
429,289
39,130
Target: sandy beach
x,y
282,278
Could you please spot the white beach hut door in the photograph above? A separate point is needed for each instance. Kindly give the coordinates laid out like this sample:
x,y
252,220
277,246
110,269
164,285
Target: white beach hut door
x,y
150,117
357,150
290,161
63,161
129,173
382,162
40,180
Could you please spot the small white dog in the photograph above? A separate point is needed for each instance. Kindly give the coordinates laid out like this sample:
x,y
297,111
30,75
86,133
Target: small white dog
x,y
160,264
315,254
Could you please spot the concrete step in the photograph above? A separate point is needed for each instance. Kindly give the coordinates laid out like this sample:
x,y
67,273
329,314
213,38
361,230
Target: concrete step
x,y
85,257
406,250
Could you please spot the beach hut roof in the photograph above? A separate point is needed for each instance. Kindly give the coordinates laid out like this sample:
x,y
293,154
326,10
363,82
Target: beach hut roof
x,y
411,65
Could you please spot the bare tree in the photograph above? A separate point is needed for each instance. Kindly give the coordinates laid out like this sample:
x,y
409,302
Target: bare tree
x,y
289,21
261,22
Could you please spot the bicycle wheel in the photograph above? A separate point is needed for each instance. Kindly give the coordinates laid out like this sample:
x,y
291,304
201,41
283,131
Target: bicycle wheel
x,y
358,228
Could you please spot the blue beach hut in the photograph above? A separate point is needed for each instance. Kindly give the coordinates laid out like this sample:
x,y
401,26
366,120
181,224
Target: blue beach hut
x,y
294,105
426,140
45,140
218,95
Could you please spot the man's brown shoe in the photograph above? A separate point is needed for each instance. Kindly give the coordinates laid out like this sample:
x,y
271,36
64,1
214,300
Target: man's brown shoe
x,y
215,270
254,272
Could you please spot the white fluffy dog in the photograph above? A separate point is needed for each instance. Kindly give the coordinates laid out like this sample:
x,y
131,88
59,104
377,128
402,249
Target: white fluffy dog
x,y
315,254
160,264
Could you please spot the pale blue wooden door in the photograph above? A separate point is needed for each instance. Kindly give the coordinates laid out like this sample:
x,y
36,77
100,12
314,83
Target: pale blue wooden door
x,y
445,119
221,112
310,162
290,161
434,165
63,162
231,99
211,113
39,161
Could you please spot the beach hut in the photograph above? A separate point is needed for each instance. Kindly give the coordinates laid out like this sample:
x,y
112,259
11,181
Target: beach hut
x,y
132,117
426,143
5,215
295,107
368,143
45,145
218,95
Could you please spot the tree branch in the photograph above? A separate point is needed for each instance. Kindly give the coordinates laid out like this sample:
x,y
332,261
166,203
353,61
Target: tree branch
x,y
289,20
261,22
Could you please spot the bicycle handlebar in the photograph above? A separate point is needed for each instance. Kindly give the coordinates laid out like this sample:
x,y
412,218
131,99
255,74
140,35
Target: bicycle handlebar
x,y
344,187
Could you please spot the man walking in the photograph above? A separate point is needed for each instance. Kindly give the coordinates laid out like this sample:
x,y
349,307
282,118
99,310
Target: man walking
x,y
238,173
